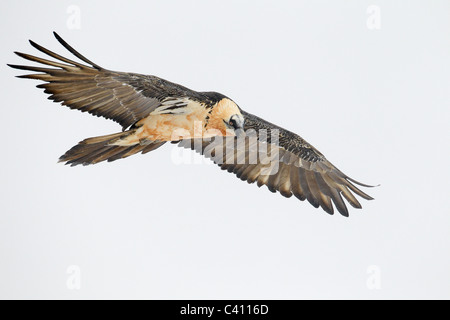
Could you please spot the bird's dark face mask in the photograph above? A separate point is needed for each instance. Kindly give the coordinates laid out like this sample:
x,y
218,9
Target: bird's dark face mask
x,y
236,123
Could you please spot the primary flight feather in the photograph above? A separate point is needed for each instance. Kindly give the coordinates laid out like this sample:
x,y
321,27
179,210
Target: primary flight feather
x,y
153,111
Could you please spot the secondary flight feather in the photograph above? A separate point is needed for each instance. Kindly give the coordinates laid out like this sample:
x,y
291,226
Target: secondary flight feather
x,y
153,111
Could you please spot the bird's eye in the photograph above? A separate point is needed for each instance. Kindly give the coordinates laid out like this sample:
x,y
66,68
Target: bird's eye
x,y
232,123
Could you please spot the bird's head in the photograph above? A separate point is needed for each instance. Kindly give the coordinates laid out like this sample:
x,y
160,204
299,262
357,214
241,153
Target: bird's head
x,y
226,118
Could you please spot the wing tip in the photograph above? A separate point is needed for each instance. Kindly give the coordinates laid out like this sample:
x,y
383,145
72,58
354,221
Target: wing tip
x,y
328,210
34,44
20,54
57,36
75,52
360,183
344,213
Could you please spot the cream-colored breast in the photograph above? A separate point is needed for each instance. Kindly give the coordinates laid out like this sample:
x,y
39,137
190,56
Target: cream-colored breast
x,y
172,127
193,120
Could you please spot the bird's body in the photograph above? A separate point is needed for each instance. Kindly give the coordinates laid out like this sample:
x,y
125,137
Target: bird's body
x,y
153,111
195,120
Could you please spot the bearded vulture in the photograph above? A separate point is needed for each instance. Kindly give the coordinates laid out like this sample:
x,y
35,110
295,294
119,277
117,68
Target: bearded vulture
x,y
153,111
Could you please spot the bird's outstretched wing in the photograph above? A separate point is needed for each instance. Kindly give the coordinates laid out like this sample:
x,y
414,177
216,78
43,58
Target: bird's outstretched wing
x,y
287,164
123,97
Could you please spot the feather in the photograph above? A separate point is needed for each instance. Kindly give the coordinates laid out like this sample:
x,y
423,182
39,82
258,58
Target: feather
x,y
295,183
305,187
317,194
284,180
335,194
74,52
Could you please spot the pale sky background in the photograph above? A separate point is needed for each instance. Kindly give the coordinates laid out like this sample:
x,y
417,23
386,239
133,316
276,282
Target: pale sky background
x,y
376,102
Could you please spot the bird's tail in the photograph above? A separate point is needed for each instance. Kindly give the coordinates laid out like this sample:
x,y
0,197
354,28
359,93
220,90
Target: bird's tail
x,y
97,149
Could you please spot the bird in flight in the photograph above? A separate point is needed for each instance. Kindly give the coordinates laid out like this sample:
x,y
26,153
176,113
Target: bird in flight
x,y
153,111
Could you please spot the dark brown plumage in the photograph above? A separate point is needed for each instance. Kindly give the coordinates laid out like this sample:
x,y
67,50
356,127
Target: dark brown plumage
x,y
303,171
143,104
